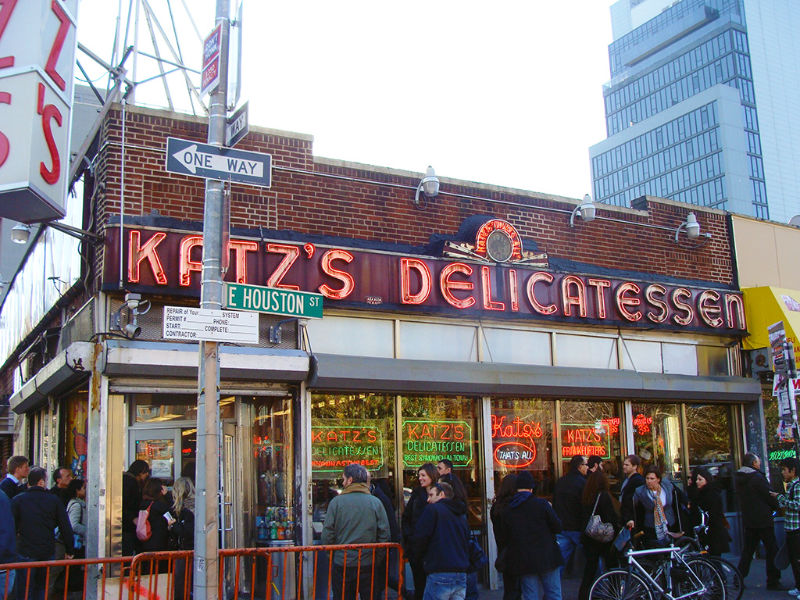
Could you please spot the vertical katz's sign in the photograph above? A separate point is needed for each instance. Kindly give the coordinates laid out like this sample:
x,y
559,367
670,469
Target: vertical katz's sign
x,y
37,54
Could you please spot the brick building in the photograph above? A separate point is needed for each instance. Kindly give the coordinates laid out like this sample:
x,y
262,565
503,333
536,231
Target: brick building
x,y
492,326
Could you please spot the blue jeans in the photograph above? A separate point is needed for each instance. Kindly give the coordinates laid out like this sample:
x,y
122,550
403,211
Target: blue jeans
x,y
6,578
545,586
445,586
568,542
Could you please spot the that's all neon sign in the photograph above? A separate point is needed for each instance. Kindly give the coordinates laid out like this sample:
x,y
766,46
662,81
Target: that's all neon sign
x,y
160,261
514,441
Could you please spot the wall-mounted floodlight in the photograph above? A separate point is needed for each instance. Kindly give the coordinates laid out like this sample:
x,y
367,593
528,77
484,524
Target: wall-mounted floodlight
x,y
586,210
429,186
20,234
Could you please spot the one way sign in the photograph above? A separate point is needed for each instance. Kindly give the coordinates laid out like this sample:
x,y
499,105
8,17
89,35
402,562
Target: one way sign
x,y
213,162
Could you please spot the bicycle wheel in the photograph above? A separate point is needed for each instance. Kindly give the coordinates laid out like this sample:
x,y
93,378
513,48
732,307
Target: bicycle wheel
x,y
619,584
731,577
708,573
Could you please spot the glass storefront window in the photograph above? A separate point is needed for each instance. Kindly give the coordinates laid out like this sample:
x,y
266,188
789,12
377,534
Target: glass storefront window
x,y
591,428
437,427
657,438
349,428
158,408
522,440
708,436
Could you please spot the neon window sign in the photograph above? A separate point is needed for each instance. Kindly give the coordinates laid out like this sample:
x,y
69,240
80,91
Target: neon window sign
x,y
431,441
518,451
585,439
333,447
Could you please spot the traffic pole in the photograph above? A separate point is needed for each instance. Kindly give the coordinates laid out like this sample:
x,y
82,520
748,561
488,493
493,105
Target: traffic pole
x,y
206,531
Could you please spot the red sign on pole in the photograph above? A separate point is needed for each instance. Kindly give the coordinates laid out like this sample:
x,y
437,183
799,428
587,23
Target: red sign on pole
x,y
211,56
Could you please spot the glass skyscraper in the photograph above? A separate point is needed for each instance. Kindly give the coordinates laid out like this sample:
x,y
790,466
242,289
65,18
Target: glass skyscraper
x,y
688,83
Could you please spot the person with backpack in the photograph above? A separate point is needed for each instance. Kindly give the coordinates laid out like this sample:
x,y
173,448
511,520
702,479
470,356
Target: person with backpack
x,y
182,533
152,525
76,511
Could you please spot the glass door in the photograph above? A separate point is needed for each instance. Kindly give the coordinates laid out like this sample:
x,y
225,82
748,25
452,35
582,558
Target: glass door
x,y
159,448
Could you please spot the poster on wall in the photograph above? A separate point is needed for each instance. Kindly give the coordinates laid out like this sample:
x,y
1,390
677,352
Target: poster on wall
x,y
76,436
335,445
430,441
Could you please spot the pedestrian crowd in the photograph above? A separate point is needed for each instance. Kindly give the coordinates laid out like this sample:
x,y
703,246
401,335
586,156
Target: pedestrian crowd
x,y
535,538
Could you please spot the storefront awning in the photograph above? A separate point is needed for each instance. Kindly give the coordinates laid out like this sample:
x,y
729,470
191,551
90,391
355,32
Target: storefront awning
x,y
360,374
65,370
767,305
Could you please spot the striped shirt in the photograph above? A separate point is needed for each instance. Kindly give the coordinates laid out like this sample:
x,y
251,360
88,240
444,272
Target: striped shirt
x,y
791,502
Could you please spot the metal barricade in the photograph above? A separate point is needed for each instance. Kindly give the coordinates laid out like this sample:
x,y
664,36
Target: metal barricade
x,y
74,579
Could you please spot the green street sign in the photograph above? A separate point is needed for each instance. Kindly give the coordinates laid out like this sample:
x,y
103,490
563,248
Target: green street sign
x,y
275,301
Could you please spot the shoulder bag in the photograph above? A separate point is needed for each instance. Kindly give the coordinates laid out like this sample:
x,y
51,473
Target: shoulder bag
x,y
596,529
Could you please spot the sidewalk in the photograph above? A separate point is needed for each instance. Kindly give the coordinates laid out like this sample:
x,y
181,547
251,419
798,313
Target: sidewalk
x,y
756,585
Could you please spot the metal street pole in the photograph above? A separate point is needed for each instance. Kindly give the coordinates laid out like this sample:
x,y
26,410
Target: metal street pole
x,y
206,531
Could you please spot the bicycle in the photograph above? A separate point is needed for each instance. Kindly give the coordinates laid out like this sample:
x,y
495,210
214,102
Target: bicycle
x,y
682,578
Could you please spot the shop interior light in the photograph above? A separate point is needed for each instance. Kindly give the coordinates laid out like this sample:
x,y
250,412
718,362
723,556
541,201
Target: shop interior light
x,y
586,210
429,186
692,229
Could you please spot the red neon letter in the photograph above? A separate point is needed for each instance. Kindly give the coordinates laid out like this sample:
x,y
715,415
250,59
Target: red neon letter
x,y
734,307
650,294
137,253
677,295
291,252
579,299
600,286
348,284
513,291
542,309
447,285
6,8
406,265
708,308
48,113
240,249
185,263
486,289
58,43
624,301
5,98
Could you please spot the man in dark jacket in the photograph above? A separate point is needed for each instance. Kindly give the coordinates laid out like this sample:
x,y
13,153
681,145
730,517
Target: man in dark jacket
x,y
528,531
132,483
567,504
18,468
633,480
442,537
37,513
757,506
8,544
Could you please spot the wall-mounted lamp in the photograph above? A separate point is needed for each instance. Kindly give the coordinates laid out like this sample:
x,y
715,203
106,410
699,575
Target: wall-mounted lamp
x,y
586,210
135,306
692,229
20,234
429,186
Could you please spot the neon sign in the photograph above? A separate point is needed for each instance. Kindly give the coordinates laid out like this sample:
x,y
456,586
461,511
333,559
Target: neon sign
x,y
333,447
431,441
642,423
519,451
514,455
579,439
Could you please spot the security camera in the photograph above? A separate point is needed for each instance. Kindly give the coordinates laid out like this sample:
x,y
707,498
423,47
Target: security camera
x,y
133,300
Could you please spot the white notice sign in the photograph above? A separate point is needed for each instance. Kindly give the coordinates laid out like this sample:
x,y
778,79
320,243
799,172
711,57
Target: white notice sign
x,y
210,325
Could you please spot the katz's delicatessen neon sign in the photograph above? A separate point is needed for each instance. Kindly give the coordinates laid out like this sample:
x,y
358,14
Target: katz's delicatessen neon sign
x,y
492,277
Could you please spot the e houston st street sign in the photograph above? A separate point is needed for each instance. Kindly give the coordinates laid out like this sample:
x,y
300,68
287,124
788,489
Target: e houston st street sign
x,y
240,296
186,157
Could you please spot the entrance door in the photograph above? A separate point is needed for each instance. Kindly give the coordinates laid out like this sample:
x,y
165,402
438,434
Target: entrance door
x,y
228,486
159,448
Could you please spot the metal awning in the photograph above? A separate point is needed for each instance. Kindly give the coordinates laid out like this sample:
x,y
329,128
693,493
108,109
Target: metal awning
x,y
362,374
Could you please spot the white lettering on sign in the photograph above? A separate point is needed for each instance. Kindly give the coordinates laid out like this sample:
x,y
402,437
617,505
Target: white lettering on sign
x,y
192,158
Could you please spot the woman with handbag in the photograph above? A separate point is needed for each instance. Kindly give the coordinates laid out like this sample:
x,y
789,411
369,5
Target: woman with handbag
x,y
600,512
706,498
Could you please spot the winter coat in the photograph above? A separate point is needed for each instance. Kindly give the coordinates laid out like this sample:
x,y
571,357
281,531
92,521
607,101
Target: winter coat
x,y
528,528
644,507
182,530
394,528
37,513
131,499
708,500
8,534
754,499
608,514
159,531
441,538
626,497
411,514
76,511
11,487
355,517
567,501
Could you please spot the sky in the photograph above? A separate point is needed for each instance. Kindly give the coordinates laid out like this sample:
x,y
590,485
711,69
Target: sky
x,y
507,93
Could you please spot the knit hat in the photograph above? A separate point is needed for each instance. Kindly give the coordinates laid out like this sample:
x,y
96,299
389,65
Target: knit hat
x,y
525,481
